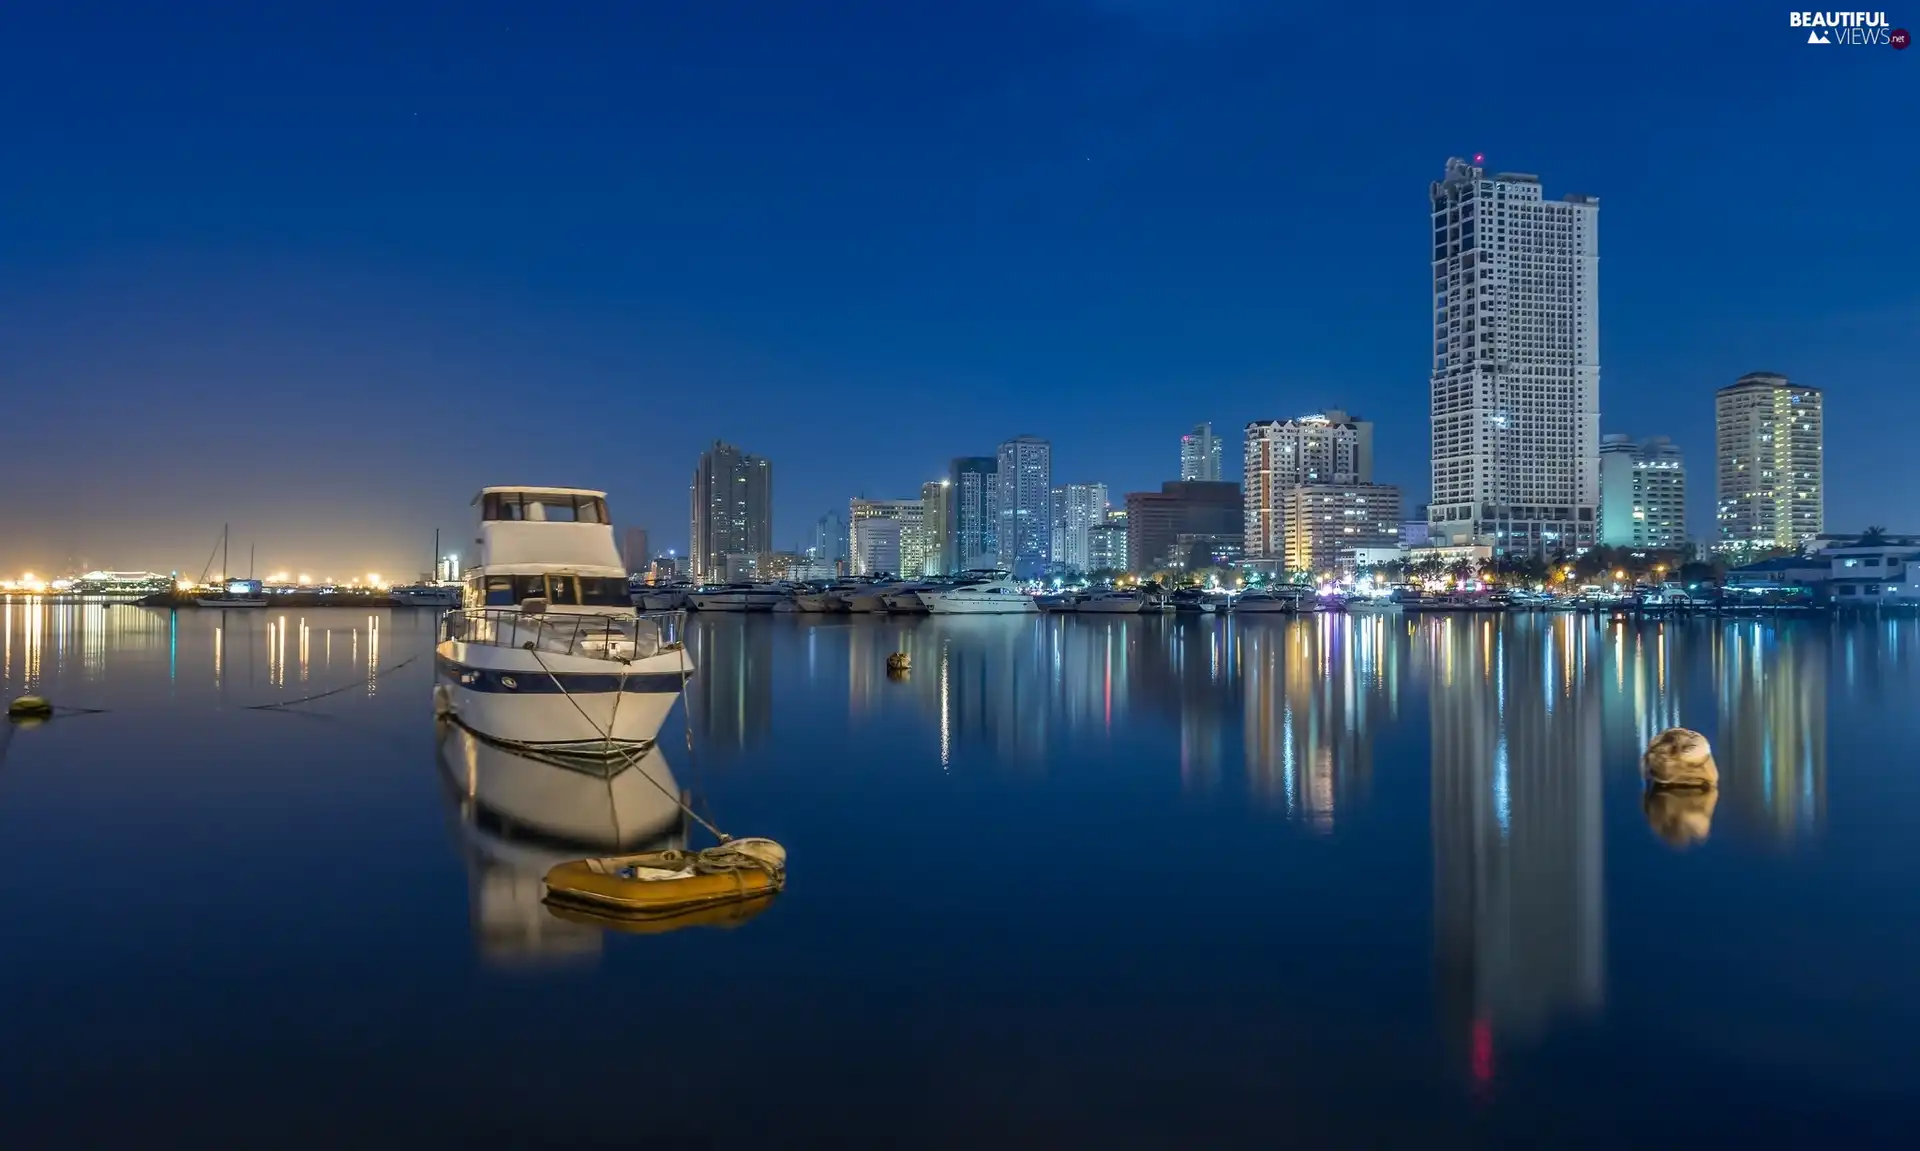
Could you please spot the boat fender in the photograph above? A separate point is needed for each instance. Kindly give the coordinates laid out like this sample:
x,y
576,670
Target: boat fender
x,y
899,661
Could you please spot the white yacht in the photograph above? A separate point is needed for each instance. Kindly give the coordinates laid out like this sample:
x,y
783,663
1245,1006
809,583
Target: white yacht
x,y
869,598
1270,602
1058,602
1373,605
664,597
427,595
1000,596
815,600
1130,602
737,597
547,651
904,598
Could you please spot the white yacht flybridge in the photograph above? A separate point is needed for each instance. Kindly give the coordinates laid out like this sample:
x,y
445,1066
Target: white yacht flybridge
x,y
546,650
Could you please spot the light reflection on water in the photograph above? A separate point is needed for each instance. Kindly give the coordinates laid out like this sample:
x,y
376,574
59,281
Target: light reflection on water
x,y
1372,849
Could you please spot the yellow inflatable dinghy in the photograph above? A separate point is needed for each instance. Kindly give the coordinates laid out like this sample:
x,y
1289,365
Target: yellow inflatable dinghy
x,y
719,915
666,883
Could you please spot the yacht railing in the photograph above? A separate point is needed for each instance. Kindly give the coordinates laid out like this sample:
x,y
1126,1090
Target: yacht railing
x,y
624,637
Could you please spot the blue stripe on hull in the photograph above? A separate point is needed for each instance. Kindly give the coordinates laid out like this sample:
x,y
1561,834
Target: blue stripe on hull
x,y
545,683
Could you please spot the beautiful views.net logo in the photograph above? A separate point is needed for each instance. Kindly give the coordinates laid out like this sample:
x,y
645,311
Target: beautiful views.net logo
x,y
1852,28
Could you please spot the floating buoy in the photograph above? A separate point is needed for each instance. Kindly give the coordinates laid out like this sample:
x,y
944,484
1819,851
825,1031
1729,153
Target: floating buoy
x,y
1679,757
664,884
29,707
899,661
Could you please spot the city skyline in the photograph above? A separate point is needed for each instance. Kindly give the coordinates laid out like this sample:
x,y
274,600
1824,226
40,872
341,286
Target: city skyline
x,y
1106,242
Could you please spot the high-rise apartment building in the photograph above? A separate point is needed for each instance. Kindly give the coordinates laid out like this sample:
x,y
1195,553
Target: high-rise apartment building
x,y
1643,493
1107,547
1327,523
888,537
1516,364
732,509
1025,537
1200,455
1769,483
1078,508
635,554
829,546
1329,448
935,516
973,512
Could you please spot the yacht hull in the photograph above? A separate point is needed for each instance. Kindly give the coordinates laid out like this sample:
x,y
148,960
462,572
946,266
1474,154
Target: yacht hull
x,y
1112,606
867,602
734,601
985,605
662,600
559,702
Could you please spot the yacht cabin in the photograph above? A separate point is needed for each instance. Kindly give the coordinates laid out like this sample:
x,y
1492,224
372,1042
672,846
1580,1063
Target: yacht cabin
x,y
551,544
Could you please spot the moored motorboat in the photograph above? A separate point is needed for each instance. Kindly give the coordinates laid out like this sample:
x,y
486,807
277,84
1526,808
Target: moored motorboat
x,y
983,597
738,597
1270,602
1126,602
547,652
904,598
426,595
663,597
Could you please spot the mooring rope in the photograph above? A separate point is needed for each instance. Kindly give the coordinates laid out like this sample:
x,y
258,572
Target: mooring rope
x,y
359,682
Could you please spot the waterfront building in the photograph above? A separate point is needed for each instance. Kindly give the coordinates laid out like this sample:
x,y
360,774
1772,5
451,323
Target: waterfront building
x,y
887,537
1156,520
634,553
973,510
1079,508
1643,493
1025,476
1200,455
1415,532
1107,547
732,509
1324,522
1769,479
1310,492
936,517
1195,550
1516,364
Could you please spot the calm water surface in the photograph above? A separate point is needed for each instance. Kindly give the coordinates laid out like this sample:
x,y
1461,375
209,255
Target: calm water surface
x,y
1159,882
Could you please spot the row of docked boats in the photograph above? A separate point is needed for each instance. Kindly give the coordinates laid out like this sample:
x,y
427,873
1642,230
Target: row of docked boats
x,y
986,593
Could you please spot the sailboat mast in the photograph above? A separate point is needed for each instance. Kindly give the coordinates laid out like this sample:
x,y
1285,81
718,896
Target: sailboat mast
x,y
224,569
435,566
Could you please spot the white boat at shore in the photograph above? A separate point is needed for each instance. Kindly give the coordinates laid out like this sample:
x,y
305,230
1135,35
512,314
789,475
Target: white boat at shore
x,y
1270,602
1373,605
983,597
738,597
548,652
663,597
904,599
1126,602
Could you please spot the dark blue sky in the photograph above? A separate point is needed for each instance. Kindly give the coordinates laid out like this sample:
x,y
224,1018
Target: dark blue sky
x,y
325,270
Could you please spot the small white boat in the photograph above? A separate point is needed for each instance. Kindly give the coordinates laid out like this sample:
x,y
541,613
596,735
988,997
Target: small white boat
x,y
427,595
984,597
737,597
904,598
1373,605
234,592
551,655
1269,602
869,598
1128,602
663,597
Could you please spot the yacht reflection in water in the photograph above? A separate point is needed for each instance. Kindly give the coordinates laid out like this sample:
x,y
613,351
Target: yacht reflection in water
x,y
1519,906
518,816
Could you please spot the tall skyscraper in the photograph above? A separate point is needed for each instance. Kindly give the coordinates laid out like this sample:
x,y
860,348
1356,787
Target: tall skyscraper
x,y
974,511
888,537
732,509
1200,455
1643,493
1770,481
1331,451
1077,510
635,554
1026,505
1516,364
829,544
935,517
